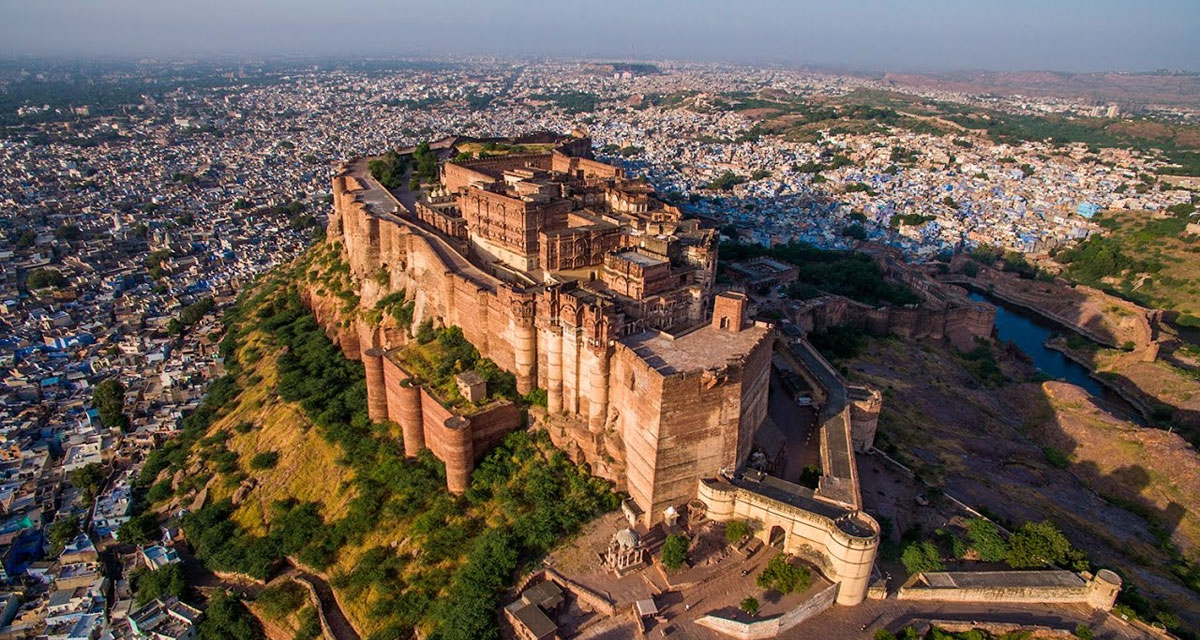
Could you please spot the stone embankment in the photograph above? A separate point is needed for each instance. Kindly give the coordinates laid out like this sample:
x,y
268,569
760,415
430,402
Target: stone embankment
x,y
1098,316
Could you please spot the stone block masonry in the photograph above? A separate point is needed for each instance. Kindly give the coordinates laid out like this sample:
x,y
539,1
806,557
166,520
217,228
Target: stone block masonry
x,y
593,351
1052,586
457,440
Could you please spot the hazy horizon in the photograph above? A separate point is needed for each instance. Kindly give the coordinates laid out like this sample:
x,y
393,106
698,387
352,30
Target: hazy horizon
x,y
922,35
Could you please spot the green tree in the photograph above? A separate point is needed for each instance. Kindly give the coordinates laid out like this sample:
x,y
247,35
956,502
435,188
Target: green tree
x,y
725,182
265,460
68,232
674,551
165,582
27,238
425,333
986,540
43,278
160,492
108,398
919,557
89,479
279,601
735,530
1037,544
61,532
750,605
226,618
140,529
427,164
783,576
469,609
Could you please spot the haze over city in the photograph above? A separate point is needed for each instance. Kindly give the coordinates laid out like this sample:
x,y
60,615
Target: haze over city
x,y
521,320
1065,35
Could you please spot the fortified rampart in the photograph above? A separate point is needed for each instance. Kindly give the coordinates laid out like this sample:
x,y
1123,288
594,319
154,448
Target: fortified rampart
x,y
825,526
961,323
456,439
840,542
1036,587
771,627
457,175
680,423
575,340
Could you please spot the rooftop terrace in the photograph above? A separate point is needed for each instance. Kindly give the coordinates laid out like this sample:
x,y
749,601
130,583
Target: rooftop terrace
x,y
697,350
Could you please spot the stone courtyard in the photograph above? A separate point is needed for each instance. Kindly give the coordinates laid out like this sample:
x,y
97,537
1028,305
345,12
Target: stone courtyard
x,y
714,582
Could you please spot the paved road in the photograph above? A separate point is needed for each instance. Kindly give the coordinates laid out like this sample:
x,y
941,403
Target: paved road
x,y
407,200
798,425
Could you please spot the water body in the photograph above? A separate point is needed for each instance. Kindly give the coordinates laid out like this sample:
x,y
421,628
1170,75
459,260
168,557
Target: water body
x,y
1029,333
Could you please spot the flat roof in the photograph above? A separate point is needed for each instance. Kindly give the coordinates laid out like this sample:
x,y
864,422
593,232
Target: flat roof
x,y
640,258
787,493
993,579
704,348
534,619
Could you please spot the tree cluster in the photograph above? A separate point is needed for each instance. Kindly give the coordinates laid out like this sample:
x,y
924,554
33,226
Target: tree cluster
x,y
108,398
43,278
846,273
389,169
426,169
783,576
725,181
524,497
674,551
165,582
190,315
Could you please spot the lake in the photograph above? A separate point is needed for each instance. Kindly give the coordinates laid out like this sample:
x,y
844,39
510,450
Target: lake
x,y
1029,333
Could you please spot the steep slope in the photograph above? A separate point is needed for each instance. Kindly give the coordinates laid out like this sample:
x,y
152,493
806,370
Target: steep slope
x,y
1026,451
291,467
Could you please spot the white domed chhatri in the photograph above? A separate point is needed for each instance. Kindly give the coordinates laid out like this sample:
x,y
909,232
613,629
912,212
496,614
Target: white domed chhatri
x,y
627,538
625,552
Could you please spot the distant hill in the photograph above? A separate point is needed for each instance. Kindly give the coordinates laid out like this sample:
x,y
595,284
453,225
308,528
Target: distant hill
x,y
1179,89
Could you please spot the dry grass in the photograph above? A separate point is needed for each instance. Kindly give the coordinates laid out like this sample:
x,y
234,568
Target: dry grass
x,y
475,147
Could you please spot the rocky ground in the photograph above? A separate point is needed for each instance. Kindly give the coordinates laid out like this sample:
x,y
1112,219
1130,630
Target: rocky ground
x,y
993,448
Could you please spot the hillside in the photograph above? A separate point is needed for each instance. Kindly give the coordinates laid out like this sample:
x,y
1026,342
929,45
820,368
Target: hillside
x,y
981,427
1150,259
287,465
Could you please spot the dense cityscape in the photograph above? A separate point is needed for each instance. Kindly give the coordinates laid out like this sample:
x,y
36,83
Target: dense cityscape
x,y
135,212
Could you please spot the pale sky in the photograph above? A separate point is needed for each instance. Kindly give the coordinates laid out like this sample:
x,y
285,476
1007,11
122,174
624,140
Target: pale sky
x,y
1068,35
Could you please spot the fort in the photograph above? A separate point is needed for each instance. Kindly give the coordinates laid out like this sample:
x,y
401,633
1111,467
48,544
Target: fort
x,y
580,284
